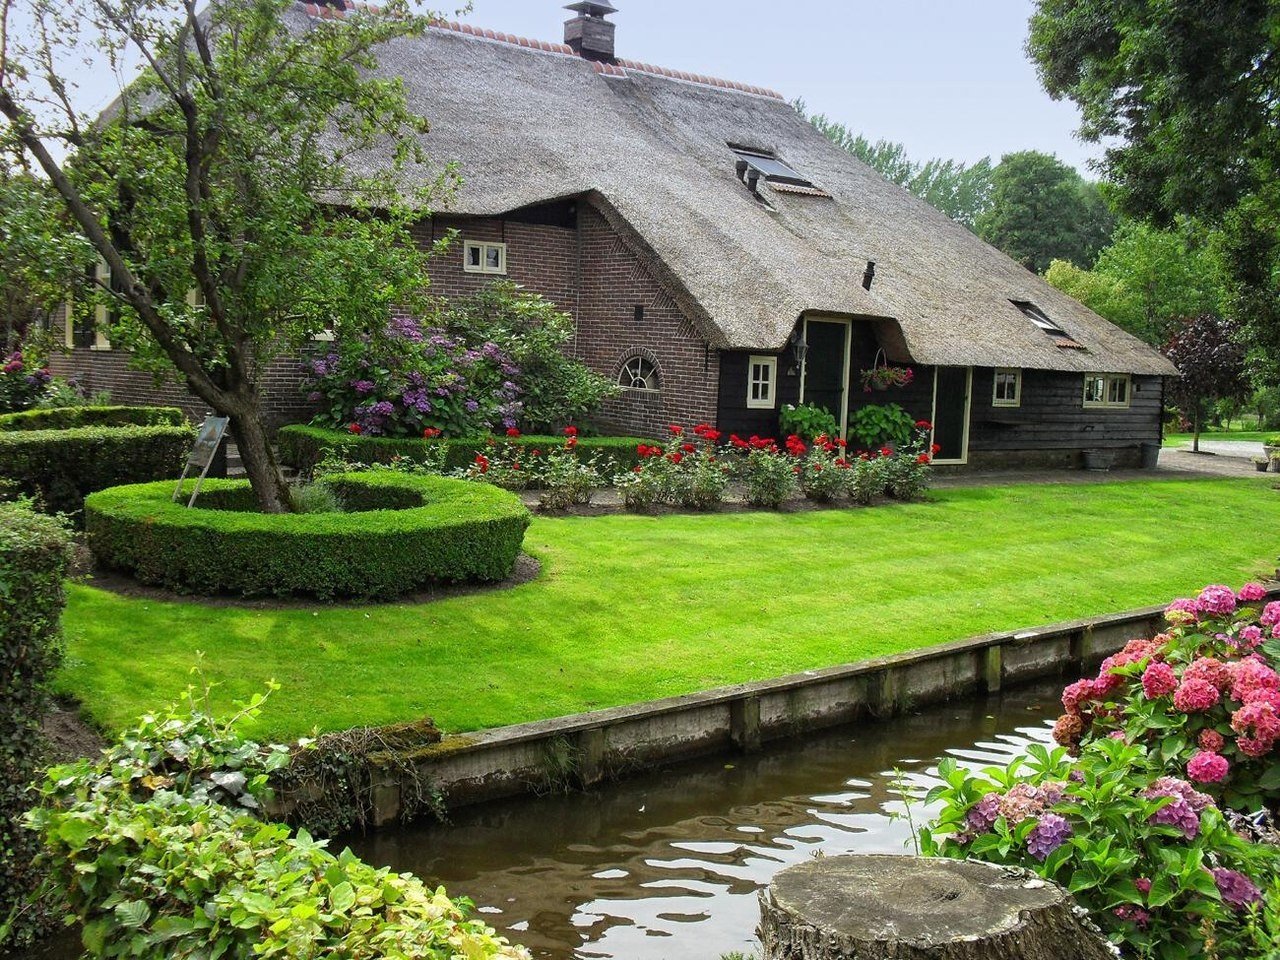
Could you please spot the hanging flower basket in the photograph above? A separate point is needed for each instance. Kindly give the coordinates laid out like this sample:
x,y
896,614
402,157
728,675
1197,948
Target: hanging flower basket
x,y
882,378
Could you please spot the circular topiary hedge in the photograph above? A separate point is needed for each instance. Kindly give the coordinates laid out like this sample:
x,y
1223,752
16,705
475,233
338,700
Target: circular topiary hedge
x,y
399,532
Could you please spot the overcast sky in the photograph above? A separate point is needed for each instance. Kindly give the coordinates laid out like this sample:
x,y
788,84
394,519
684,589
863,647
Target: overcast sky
x,y
946,77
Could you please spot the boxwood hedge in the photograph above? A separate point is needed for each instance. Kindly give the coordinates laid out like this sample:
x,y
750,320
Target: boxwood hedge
x,y
66,418
303,447
400,533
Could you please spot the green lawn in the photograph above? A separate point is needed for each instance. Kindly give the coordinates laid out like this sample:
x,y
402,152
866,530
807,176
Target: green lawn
x,y
631,608
1184,439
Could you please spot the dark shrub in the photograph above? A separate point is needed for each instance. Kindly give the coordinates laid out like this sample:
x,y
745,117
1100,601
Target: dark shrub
x,y
34,553
400,532
65,418
59,467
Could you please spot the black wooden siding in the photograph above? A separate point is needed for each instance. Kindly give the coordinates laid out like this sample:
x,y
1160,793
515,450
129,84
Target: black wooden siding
x,y
734,415
1053,415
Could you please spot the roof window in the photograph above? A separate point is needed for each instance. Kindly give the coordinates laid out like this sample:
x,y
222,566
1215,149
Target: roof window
x,y
770,167
1037,316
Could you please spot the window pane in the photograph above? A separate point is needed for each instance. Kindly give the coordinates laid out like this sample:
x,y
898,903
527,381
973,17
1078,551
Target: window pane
x,y
473,256
493,257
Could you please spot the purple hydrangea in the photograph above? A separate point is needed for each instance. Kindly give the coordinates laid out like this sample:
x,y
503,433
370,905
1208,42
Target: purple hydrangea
x,y
472,406
363,387
983,814
1183,813
1237,890
1218,600
1049,833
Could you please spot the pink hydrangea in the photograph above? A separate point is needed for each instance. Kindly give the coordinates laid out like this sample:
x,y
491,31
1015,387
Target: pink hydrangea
x,y
1218,600
1251,678
1211,670
1158,680
1143,884
1182,610
1195,696
1211,740
1259,723
1077,693
1252,593
1208,767
1271,614
1250,638
1139,915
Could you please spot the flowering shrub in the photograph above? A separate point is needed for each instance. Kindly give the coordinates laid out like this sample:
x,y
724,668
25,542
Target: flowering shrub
x,y
906,470
408,380
159,853
1174,739
825,472
1152,858
22,382
771,478
685,471
1205,692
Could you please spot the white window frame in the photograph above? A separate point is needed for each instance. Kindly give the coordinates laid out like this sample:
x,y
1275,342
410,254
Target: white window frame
x,y
484,247
657,376
996,399
770,383
101,313
1108,380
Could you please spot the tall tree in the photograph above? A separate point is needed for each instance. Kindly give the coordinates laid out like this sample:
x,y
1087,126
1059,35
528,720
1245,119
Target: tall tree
x,y
1043,210
219,188
1186,94
1147,280
961,191
1210,361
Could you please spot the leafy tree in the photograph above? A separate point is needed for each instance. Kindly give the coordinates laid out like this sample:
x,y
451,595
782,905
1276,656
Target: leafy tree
x,y
1043,210
203,188
1184,93
1211,366
1148,279
960,191
38,256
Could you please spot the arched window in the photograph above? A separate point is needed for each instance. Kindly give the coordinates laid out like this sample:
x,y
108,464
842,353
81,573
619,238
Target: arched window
x,y
639,373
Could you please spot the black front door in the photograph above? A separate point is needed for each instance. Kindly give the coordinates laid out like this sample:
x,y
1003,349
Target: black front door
x,y
951,412
824,373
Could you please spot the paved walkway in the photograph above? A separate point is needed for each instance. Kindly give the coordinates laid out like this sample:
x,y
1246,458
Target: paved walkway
x,y
1229,448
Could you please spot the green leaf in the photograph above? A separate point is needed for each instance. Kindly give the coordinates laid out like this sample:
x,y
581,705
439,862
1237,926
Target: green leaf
x,y
342,897
132,913
1270,780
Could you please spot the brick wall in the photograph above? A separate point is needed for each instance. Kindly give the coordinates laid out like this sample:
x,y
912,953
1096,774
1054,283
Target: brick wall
x,y
609,333
588,272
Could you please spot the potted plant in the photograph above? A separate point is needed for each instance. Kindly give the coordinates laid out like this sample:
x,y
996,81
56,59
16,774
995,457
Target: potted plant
x,y
1271,446
1261,464
882,378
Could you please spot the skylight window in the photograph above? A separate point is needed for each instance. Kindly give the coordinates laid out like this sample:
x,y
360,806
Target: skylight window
x,y
771,168
1037,316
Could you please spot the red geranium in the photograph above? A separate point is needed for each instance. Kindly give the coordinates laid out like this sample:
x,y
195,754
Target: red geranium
x,y
688,448
676,430
571,442
513,432
482,462
923,458
355,428
675,457
923,425
886,452
570,431
430,433
936,448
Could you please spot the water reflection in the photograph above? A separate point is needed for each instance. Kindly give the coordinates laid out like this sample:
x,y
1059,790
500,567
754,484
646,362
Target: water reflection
x,y
668,864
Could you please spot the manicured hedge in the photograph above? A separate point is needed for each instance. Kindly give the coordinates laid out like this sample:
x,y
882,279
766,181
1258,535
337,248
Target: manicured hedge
x,y
34,554
59,467
67,418
303,447
456,531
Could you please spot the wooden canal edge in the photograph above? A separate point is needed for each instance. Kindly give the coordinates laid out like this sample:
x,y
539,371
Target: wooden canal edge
x,y
586,748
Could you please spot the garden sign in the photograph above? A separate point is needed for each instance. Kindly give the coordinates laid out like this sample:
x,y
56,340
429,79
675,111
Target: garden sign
x,y
207,441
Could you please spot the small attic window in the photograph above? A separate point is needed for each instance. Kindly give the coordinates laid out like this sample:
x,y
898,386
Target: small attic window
x,y
1037,316
771,168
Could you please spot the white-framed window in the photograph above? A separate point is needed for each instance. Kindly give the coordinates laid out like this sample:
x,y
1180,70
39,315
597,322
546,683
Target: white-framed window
x,y
1107,390
762,378
480,257
101,312
639,373
1007,391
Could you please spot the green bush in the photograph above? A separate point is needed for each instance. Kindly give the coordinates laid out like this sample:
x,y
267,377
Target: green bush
x,y
59,467
67,418
161,858
399,533
34,554
303,447
807,421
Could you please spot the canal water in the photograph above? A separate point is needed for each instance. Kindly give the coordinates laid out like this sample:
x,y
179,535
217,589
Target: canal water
x,y
667,865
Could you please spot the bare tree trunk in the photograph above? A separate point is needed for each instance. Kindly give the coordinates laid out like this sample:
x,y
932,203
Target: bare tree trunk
x,y
259,461
914,908
1195,430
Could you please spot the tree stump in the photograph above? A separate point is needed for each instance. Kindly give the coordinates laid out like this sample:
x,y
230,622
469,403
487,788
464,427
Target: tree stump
x,y
914,908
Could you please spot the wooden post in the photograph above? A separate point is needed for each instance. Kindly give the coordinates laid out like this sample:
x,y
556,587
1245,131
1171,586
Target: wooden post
x,y
916,908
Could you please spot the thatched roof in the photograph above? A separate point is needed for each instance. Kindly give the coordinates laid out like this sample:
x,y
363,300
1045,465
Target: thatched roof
x,y
531,122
